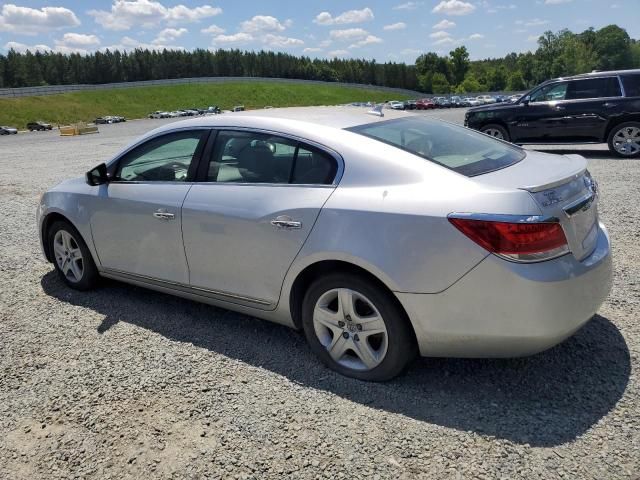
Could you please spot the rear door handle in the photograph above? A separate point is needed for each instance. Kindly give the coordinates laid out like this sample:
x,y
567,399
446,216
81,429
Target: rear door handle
x,y
608,104
286,223
162,214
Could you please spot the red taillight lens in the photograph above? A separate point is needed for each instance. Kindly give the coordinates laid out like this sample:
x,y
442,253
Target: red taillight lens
x,y
517,241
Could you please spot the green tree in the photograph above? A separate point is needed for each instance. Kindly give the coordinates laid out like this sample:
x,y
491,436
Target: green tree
x,y
440,84
613,48
470,84
516,82
459,59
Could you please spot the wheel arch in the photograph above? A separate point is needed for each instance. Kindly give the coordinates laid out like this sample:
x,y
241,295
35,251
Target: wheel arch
x,y
634,117
322,267
46,224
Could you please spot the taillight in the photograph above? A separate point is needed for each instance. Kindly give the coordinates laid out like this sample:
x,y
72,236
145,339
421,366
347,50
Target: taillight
x,y
521,242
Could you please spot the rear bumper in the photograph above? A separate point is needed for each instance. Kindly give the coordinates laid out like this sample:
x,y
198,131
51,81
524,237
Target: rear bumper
x,y
505,309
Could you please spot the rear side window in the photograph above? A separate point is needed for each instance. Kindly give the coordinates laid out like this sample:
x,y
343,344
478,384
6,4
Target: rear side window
x,y
593,88
460,149
256,157
631,84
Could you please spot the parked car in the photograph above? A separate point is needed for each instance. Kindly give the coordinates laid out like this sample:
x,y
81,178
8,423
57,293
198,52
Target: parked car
x,y
477,248
212,110
176,114
442,102
109,119
602,107
38,126
456,101
410,105
395,105
485,99
471,101
4,130
515,98
159,114
425,104
238,108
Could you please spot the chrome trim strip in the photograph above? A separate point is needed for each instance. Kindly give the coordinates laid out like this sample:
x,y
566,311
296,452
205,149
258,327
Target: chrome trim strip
x,y
184,287
498,217
581,204
624,94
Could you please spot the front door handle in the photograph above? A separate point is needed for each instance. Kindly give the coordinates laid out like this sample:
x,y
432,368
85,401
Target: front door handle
x,y
286,222
608,104
162,214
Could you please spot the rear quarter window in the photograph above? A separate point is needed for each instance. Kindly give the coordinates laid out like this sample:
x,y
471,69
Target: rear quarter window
x,y
459,149
631,84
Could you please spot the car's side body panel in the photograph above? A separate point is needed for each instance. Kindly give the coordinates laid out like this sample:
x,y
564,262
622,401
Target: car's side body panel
x,y
231,244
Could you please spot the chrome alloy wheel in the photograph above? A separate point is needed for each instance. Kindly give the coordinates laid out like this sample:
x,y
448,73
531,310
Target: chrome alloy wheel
x,y
68,256
494,132
626,141
351,328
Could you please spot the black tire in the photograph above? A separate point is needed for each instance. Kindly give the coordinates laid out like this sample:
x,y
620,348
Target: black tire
x,y
494,127
90,276
612,134
401,345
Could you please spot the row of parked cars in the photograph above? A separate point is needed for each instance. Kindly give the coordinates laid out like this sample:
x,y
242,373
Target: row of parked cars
x,y
108,119
453,101
190,112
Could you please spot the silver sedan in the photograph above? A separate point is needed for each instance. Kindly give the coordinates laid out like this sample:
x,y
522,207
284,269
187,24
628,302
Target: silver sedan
x,y
380,235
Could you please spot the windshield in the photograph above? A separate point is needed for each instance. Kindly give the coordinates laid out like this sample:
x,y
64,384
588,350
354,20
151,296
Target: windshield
x,y
457,148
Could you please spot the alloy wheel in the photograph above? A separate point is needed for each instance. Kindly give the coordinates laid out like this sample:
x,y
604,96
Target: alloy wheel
x,y
68,256
626,141
494,132
351,329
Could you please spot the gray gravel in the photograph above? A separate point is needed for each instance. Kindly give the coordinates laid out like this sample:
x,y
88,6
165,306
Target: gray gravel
x,y
122,382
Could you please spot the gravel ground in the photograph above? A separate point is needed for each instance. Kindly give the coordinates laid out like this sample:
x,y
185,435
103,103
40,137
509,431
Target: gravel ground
x,y
123,382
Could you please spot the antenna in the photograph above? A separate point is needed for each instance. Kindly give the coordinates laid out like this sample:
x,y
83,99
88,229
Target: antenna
x,y
377,111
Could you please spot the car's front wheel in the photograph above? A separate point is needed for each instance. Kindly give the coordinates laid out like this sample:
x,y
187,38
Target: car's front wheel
x,y
496,131
356,328
624,140
71,257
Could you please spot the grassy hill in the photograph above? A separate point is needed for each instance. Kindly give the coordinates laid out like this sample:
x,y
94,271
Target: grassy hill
x,y
139,102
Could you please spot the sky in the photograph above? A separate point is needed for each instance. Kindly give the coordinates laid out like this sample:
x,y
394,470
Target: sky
x,y
385,30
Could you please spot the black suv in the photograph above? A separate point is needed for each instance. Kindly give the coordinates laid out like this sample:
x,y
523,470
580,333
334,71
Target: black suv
x,y
590,108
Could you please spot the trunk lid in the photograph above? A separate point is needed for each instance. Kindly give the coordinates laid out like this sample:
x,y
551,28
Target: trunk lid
x,y
562,188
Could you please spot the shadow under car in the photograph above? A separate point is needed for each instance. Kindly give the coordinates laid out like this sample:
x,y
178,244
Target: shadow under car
x,y
544,400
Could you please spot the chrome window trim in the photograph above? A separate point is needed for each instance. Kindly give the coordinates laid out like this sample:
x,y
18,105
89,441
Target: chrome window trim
x,y
573,100
328,150
622,90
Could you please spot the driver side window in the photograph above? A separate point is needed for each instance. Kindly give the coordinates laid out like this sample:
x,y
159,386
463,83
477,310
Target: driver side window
x,y
550,93
161,159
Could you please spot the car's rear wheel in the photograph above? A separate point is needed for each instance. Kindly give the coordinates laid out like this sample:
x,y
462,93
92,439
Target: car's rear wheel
x,y
71,257
496,131
624,140
356,328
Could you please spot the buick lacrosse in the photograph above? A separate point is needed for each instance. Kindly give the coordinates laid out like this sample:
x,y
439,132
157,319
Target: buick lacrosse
x,y
381,236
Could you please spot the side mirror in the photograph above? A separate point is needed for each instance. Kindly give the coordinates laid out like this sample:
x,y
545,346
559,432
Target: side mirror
x,y
98,176
526,100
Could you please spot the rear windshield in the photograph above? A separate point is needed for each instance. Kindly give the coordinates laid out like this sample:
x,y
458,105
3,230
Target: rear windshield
x,y
460,149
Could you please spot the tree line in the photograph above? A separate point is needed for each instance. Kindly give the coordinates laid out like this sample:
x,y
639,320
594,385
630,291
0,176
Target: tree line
x,y
558,54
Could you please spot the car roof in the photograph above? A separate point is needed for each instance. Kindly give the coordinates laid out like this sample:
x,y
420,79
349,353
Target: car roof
x,y
596,74
340,117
